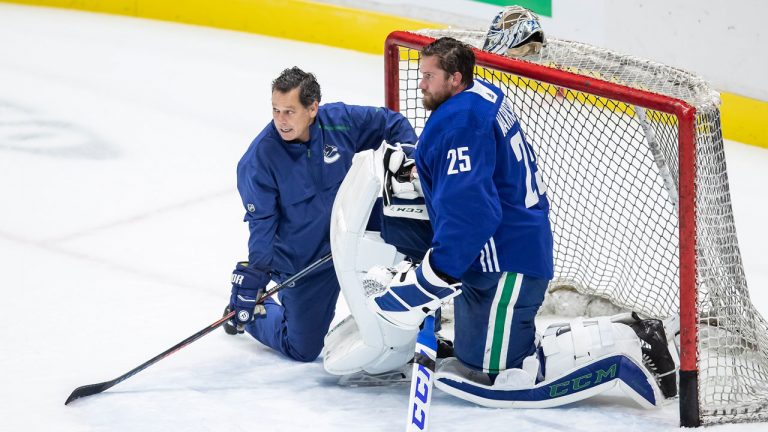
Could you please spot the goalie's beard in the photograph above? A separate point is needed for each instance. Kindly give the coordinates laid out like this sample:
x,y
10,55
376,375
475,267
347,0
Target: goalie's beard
x,y
432,100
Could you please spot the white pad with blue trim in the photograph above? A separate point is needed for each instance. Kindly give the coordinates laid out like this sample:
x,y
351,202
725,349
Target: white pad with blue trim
x,y
582,359
362,341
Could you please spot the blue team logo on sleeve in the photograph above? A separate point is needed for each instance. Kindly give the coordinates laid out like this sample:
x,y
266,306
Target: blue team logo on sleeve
x,y
330,154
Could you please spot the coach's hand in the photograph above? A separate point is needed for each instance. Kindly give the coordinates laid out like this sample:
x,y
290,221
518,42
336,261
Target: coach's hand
x,y
248,286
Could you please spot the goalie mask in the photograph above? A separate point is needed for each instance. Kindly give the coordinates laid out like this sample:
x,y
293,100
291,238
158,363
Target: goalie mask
x,y
515,32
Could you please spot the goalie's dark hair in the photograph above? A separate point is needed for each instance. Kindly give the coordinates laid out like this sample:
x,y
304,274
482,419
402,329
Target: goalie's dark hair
x,y
291,78
453,56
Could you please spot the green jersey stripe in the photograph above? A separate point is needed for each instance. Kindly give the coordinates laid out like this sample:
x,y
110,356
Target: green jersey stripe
x,y
499,321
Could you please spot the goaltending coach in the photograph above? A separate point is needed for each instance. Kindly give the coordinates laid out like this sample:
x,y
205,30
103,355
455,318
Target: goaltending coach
x,y
288,179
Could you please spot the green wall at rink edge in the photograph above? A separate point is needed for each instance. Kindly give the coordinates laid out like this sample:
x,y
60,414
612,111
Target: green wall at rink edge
x,y
541,7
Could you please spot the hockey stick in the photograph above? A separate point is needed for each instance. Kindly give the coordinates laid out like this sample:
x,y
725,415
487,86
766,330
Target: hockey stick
x,y
423,377
650,138
92,389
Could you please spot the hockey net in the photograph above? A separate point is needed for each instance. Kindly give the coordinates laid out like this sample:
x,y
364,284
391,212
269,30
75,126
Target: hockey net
x,y
633,159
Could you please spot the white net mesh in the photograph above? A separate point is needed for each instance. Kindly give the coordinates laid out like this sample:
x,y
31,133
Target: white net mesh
x,y
612,176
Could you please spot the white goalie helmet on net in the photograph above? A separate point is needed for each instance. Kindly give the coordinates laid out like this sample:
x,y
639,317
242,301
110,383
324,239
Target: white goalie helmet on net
x,y
515,31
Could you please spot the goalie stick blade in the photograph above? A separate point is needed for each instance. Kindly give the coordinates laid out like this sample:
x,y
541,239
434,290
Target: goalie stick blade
x,y
88,390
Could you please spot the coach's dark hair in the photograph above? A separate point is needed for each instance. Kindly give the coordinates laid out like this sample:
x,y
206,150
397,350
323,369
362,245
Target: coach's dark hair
x,y
453,56
289,79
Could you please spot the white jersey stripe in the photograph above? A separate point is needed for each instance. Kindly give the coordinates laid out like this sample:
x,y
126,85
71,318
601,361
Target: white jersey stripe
x,y
489,335
482,260
495,257
488,261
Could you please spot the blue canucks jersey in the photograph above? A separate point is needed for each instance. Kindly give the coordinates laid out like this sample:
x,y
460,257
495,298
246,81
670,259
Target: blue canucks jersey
x,y
484,193
288,188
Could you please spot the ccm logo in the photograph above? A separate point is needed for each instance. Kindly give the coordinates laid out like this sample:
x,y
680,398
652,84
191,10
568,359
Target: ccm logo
x,y
408,210
419,413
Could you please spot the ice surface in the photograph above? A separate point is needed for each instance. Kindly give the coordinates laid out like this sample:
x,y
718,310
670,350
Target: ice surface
x,y
120,223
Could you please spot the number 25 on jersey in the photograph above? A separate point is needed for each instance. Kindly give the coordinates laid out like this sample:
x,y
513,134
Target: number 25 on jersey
x,y
458,160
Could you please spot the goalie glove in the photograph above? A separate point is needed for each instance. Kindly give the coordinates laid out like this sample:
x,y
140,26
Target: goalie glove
x,y
402,193
414,292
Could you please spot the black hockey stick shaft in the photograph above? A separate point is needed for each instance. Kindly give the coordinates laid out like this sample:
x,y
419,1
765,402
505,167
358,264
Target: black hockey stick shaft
x,y
92,389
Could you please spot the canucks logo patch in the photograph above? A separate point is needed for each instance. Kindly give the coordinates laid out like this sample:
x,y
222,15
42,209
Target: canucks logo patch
x,y
330,154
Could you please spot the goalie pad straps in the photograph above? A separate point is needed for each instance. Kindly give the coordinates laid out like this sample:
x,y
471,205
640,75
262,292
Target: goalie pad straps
x,y
606,331
568,345
580,338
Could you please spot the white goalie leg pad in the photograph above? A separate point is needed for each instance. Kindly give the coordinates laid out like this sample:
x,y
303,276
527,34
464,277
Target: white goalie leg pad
x,y
362,341
580,341
582,359
584,343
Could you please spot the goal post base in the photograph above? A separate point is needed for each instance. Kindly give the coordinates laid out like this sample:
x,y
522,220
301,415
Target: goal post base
x,y
689,399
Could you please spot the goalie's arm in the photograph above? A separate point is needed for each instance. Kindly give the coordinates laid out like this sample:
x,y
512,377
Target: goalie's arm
x,y
464,199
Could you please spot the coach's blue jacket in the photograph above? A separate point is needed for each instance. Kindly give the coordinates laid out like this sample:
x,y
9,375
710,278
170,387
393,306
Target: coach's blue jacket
x,y
288,188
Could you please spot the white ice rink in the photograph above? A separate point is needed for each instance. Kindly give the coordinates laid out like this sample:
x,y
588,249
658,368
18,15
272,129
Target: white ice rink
x,y
120,224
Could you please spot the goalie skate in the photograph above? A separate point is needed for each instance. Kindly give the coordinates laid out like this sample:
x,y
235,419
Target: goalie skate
x,y
364,379
656,355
